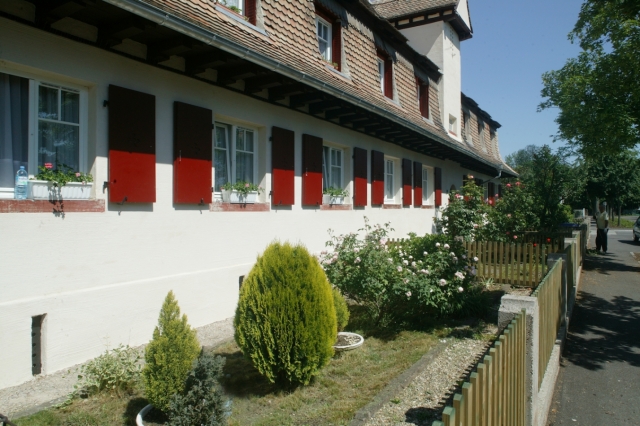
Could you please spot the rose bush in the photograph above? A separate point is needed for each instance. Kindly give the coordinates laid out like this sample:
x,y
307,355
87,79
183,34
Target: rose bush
x,y
466,213
419,278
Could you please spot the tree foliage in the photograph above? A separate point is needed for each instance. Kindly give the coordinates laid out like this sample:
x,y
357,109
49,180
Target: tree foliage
x,y
598,93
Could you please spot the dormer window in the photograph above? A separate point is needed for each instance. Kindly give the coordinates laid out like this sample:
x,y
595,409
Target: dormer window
x,y
466,117
385,72
422,89
328,31
483,143
243,7
453,125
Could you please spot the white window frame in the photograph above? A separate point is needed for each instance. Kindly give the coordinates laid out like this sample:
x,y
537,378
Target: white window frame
x,y
32,145
392,176
328,53
231,152
381,73
328,171
453,124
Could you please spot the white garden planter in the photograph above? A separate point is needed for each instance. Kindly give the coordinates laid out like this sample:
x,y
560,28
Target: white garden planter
x,y
44,190
235,197
329,199
142,413
355,341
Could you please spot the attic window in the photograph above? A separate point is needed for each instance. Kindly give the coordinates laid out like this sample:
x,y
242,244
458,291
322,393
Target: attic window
x,y
328,32
422,90
453,125
385,72
243,7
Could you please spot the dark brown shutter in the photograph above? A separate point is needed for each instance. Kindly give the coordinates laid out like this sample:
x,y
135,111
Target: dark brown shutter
x,y
311,170
417,184
377,177
407,193
424,98
132,146
336,43
283,164
250,10
192,153
437,183
360,177
388,78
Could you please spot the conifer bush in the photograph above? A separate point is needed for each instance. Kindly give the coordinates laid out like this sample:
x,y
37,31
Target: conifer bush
x,y
202,402
285,321
169,356
342,310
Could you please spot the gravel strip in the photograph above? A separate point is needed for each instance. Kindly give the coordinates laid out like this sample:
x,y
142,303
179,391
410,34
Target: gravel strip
x,y
422,401
45,391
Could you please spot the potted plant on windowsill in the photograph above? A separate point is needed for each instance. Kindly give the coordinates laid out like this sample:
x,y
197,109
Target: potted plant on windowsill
x,y
240,192
62,183
333,195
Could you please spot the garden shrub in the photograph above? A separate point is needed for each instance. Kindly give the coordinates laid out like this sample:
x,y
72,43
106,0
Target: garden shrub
x,y
285,322
342,310
169,356
116,370
410,281
202,402
513,214
466,213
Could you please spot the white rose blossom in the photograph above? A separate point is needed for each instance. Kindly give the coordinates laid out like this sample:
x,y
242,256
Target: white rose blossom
x,y
399,268
443,282
460,289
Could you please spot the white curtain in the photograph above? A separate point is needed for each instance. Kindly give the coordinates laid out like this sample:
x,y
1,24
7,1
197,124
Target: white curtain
x,y
14,127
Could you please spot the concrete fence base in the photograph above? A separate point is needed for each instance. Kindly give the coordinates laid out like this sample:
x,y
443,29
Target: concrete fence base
x,y
539,399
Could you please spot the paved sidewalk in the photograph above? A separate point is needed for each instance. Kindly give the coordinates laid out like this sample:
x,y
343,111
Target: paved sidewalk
x,y
599,380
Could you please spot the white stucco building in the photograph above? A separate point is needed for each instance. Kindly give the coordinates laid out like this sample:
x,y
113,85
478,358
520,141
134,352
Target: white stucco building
x,y
165,101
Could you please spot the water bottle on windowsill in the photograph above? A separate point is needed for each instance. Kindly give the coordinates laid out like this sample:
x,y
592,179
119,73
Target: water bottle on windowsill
x,y
22,180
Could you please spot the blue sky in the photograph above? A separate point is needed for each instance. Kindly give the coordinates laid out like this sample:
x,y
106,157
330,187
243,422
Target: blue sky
x,y
514,42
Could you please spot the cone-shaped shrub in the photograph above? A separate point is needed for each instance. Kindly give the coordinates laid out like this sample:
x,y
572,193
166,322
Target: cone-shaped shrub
x,y
342,310
169,356
285,321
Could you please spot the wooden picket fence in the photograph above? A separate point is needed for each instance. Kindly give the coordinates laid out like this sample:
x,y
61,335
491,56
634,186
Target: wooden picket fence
x,y
549,294
509,263
495,393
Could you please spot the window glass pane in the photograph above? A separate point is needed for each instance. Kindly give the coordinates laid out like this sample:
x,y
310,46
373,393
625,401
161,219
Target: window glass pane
x,y
48,103
14,130
240,139
221,136
248,140
231,4
336,177
325,172
70,105
58,144
244,167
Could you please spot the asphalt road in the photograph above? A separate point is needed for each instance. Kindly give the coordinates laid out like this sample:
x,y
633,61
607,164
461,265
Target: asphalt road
x,y
599,380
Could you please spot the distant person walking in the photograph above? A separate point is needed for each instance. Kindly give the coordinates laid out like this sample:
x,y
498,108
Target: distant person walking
x,y
602,222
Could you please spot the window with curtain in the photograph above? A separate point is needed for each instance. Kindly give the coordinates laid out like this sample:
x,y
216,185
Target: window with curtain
x,y
425,184
323,29
58,127
332,169
233,155
388,180
14,128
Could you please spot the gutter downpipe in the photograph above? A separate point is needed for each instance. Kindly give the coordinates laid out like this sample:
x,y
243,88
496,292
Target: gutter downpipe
x,y
165,19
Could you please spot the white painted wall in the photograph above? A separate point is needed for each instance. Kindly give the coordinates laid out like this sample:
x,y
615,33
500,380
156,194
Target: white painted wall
x,y
101,277
440,43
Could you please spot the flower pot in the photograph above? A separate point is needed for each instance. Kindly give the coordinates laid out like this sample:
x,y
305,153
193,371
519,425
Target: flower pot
x,y
330,199
357,339
235,197
45,190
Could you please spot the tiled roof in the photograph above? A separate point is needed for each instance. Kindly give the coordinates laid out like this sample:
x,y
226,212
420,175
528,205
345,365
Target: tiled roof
x,y
389,9
290,25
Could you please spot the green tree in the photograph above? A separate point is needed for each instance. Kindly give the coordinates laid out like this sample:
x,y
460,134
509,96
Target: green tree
x,y
598,93
169,356
521,160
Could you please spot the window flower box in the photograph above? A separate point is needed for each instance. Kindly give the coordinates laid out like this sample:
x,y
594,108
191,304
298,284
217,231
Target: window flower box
x,y
333,199
235,197
45,190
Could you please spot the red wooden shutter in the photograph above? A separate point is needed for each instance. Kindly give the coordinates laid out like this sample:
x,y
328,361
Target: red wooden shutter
x,y
407,193
360,177
417,184
424,99
437,183
311,170
388,78
282,161
250,10
491,190
377,177
192,153
132,146
336,43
